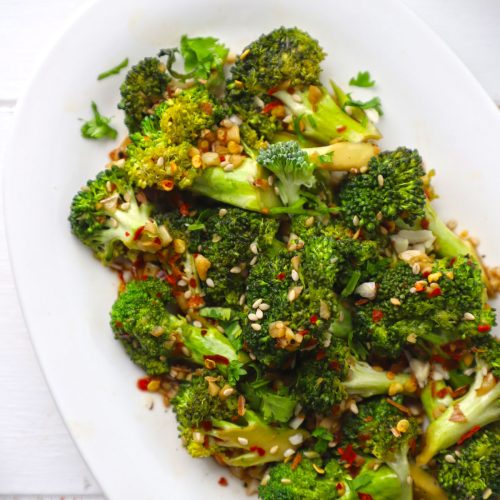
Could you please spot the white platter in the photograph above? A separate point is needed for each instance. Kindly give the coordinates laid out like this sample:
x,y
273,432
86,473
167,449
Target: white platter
x,y
430,101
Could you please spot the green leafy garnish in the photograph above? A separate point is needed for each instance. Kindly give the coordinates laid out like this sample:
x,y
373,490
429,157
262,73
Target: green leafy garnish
x,y
323,436
113,71
363,79
220,313
235,370
202,55
373,103
98,127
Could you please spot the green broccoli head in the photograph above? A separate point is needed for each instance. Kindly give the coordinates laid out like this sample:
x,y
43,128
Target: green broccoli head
x,y
153,336
283,55
142,88
473,468
292,167
391,189
106,216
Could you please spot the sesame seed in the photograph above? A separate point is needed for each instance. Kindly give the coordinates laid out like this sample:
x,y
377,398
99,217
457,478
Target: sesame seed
x,y
450,459
288,119
197,324
291,295
413,290
452,224
395,302
296,439
273,449
270,180
229,167
227,392
415,269
380,180
235,270
253,248
265,479
363,169
222,212
181,282
264,307
259,314
297,97
186,351
289,452
354,407
487,493
253,261
160,161
469,317
412,338
187,294
252,317
125,206
355,220
276,189
257,303
285,480
256,327
216,238
395,432
242,299
295,275
243,441
210,282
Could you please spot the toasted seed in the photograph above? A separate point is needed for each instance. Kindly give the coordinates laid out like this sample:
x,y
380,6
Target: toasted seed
x,y
412,338
265,480
295,275
264,307
210,282
242,299
235,270
355,220
273,449
259,314
243,441
197,324
296,439
252,317
395,301
222,212
253,248
256,327
487,493
289,452
450,459
253,261
403,425
319,470
469,317
380,180
257,303
285,480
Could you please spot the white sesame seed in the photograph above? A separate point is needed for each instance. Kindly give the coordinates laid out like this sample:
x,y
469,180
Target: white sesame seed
x,y
210,282
181,282
253,248
291,295
395,301
367,290
296,439
487,493
243,441
469,317
242,299
252,317
450,459
160,161
289,452
413,290
227,392
216,238
295,275
257,303
186,351
380,180
264,307
276,189
270,180
235,270
297,97
256,327
187,294
296,422
273,449
198,437
458,453
288,119
229,167
363,169
265,480
254,260
252,356
222,212
285,480
355,220
197,324
259,314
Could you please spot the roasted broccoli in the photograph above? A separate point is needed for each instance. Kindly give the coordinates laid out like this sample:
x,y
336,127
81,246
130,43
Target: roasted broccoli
x,y
106,216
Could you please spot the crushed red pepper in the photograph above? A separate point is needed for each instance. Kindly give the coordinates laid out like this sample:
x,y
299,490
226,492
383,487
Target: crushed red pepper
x,y
348,454
377,315
469,434
142,383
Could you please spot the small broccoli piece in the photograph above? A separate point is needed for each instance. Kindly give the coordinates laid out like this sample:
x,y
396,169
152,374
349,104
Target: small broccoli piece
x,y
435,398
479,407
312,480
152,335
318,116
474,469
299,313
209,423
334,374
106,216
374,430
391,189
142,88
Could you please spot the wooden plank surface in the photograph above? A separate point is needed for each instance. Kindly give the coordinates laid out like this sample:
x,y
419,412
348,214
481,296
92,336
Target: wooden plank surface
x,y
37,456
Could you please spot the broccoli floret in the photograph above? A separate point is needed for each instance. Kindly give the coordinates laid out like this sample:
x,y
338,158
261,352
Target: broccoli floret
x,y
142,88
391,189
297,314
382,430
317,116
106,216
334,374
239,440
479,407
474,469
152,335
311,480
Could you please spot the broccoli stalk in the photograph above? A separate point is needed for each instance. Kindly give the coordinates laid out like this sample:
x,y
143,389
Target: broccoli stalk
x,y
479,407
435,399
426,485
319,117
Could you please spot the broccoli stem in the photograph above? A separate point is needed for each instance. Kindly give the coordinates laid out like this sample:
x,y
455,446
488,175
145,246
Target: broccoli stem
x,y
238,187
476,410
381,484
426,484
325,120
363,380
434,405
343,156
400,465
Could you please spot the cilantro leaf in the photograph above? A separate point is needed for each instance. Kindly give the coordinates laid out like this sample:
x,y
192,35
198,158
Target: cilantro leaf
x,y
363,79
324,436
98,127
113,71
235,370
202,56
374,103
276,408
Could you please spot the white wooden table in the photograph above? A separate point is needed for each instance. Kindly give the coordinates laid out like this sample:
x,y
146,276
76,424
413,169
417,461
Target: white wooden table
x,y
38,458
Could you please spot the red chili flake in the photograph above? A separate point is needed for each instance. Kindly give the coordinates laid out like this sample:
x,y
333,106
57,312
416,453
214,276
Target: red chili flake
x,y
443,392
118,324
469,434
195,301
296,461
203,332
361,302
138,233
425,274
303,332
456,349
320,355
340,128
192,283
171,280
217,358
142,383
184,209
483,328
167,184
206,425
348,454
377,315
339,486
364,496
270,106
222,158
459,392
127,234
272,90
438,359
334,365
313,319
222,481
281,276
435,292
424,223
260,451
452,261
